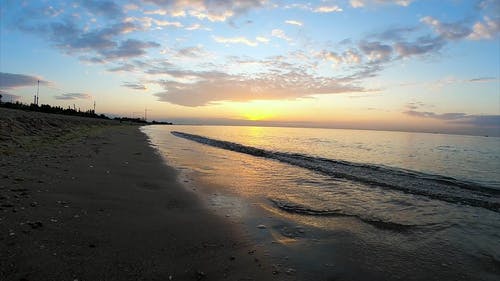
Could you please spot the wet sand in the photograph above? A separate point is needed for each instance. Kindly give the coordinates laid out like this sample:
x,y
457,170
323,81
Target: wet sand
x,y
91,200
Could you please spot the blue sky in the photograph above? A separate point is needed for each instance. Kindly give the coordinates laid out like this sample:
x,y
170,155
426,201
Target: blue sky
x,y
373,64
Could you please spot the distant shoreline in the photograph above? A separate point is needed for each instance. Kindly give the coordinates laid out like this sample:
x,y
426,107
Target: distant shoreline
x,y
46,108
270,124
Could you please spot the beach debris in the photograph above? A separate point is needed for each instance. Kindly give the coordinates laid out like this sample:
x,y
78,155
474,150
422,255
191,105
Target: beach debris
x,y
65,204
200,275
276,268
19,189
53,220
34,225
261,226
34,204
290,271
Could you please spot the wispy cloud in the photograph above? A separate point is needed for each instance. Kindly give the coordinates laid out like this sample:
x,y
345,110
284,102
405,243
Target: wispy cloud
x,y
278,33
262,39
197,26
483,79
450,31
129,48
327,9
73,96
235,40
350,56
214,11
485,30
423,45
148,22
12,80
102,7
190,52
398,33
376,51
363,3
482,121
134,86
294,22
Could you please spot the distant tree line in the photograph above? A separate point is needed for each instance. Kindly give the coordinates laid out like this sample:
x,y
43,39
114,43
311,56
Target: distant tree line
x,y
46,108
140,120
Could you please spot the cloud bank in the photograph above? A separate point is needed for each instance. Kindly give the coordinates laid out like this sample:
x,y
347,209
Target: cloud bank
x,y
12,80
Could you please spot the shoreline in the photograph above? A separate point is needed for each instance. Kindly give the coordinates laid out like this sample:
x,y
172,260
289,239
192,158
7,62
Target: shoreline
x,y
329,229
104,206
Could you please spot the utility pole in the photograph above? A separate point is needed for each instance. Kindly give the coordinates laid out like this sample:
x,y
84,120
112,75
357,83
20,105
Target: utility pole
x,y
146,114
37,92
94,107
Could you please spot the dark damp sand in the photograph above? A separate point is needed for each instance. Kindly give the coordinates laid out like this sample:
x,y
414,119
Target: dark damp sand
x,y
101,205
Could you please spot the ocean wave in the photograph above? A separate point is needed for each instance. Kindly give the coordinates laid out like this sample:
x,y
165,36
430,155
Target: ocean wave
x,y
438,187
377,223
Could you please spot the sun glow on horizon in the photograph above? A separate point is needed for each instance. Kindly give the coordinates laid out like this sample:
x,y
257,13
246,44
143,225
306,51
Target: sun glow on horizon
x,y
257,110
257,115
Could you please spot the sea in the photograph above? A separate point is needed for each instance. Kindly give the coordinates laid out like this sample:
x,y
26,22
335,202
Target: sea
x,y
339,204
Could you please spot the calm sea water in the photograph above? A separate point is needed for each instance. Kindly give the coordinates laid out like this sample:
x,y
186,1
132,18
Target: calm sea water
x,y
389,205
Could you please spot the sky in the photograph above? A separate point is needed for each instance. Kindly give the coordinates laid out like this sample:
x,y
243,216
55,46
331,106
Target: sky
x,y
411,65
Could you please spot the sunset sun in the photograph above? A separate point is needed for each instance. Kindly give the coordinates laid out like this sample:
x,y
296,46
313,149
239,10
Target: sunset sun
x,y
257,114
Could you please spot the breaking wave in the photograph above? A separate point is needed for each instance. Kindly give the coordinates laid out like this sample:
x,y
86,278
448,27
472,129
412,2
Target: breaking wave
x,y
303,210
433,186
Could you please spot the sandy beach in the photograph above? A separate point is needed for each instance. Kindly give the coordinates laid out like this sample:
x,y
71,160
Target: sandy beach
x,y
88,199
